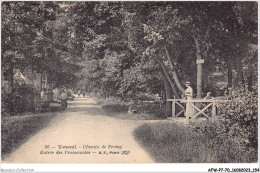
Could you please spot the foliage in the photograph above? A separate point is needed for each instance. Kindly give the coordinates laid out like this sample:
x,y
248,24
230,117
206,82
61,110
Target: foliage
x,y
120,109
168,142
23,99
238,125
134,49
131,38
36,36
116,34
6,104
241,117
15,130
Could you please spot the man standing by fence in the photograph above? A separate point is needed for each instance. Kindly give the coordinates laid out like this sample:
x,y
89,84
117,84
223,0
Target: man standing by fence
x,y
63,99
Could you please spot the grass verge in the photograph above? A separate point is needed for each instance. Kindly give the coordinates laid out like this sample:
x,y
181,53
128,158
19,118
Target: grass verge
x,y
168,142
15,130
119,109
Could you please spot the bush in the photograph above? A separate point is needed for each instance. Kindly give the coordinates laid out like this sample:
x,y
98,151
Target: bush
x,y
20,101
15,130
115,108
237,129
241,118
152,110
205,143
23,100
224,147
6,104
119,109
145,97
172,143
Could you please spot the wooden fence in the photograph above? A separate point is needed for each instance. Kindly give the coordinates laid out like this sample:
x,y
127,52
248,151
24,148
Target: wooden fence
x,y
202,107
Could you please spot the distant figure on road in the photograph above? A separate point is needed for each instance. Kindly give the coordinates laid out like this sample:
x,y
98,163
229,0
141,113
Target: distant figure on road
x,y
43,93
84,93
55,94
63,99
49,95
78,93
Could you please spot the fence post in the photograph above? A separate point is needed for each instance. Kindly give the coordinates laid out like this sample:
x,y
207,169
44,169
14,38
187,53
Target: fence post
x,y
173,108
187,113
214,111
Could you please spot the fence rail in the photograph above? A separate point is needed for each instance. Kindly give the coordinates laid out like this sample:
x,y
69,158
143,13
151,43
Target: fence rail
x,y
202,106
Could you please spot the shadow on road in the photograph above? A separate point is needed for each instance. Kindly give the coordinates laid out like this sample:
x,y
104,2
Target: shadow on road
x,y
78,104
83,106
86,110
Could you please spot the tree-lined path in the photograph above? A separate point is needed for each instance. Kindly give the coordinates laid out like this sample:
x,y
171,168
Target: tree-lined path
x,y
135,57
83,123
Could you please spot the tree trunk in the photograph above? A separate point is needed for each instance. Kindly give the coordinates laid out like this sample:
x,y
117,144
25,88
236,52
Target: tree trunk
x,y
169,80
10,80
199,68
168,94
250,81
229,68
9,77
239,69
205,75
250,76
201,50
175,74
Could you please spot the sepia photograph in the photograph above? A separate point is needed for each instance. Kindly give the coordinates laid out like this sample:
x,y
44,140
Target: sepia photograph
x,y
129,82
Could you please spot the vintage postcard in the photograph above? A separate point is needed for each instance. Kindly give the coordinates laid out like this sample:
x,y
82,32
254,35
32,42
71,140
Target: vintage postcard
x,y
129,82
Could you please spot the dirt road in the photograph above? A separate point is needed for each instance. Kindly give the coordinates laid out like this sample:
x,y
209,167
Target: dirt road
x,y
83,134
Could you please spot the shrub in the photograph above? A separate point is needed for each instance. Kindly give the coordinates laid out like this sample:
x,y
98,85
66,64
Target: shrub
x,y
236,132
172,143
119,109
15,130
144,96
20,101
152,110
205,143
115,108
6,104
224,147
241,116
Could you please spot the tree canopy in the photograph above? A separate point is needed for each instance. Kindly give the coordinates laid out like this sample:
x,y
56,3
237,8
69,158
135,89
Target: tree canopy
x,y
125,48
